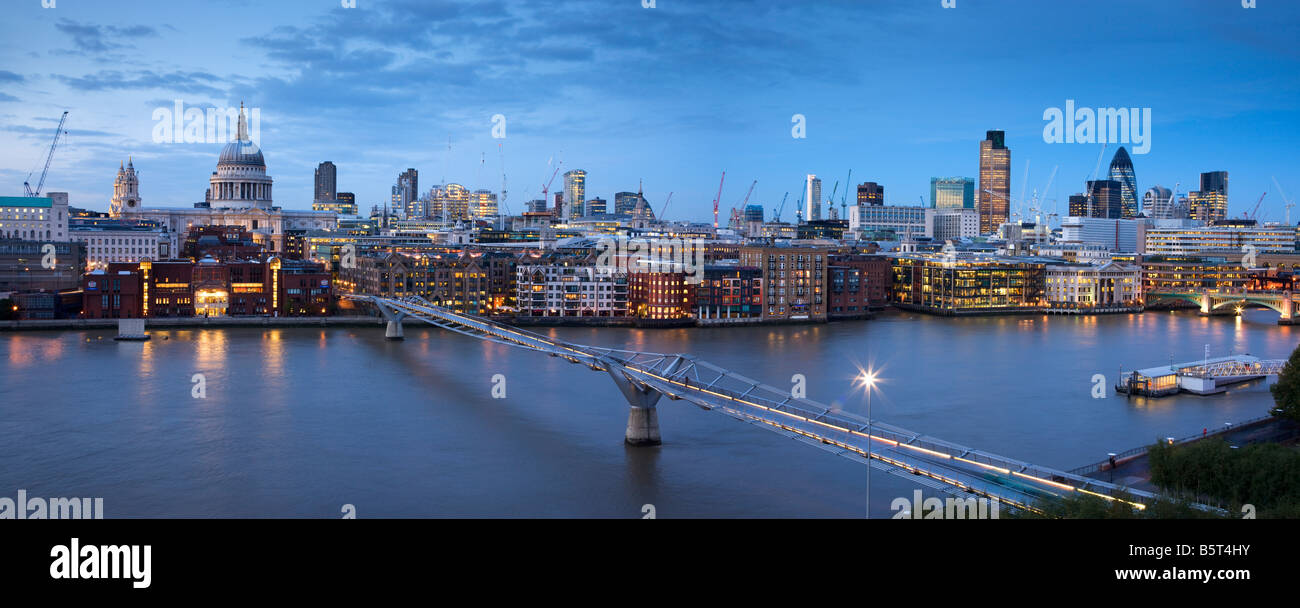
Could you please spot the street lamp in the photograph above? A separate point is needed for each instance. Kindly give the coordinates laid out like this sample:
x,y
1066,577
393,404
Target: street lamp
x,y
868,380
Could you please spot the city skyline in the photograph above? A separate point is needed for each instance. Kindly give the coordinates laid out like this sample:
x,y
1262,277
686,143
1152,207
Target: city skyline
x,y
619,107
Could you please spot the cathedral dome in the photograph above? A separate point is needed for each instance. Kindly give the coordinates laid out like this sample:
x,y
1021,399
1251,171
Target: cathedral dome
x,y
242,152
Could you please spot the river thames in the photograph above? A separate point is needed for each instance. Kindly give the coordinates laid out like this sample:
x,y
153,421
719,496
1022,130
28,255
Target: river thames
x,y
298,422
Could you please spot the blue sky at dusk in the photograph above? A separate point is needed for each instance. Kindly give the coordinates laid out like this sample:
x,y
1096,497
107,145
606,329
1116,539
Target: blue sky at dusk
x,y
896,90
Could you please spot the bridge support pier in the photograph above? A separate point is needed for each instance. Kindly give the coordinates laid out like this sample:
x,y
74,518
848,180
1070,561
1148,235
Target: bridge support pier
x,y
642,417
394,331
394,318
642,427
1206,307
1288,310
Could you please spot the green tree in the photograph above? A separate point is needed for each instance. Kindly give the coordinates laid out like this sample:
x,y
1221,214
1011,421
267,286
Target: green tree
x,y
1286,392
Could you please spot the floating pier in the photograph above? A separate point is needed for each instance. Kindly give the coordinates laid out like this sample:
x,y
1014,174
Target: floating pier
x,y
1205,377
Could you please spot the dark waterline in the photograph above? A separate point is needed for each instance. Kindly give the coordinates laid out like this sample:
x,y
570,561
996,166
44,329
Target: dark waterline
x,y
298,422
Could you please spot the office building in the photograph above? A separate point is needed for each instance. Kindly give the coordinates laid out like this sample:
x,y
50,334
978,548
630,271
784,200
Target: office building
x,y
575,194
1116,235
1111,286
955,223
994,196
952,193
1223,240
967,284
812,198
871,193
35,218
1158,203
902,221
326,183
1121,170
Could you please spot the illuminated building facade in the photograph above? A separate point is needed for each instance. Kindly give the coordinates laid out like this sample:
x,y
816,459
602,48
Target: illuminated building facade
x,y
794,281
1121,170
952,193
967,284
994,196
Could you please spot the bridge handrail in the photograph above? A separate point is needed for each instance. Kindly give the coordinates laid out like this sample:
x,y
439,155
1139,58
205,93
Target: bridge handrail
x,y
754,401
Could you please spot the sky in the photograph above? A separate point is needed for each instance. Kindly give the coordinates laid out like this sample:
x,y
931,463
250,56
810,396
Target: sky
x,y
672,95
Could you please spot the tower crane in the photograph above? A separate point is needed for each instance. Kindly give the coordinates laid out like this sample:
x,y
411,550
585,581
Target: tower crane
x,y
663,214
1257,203
1286,200
718,197
1088,191
48,158
782,206
547,187
844,200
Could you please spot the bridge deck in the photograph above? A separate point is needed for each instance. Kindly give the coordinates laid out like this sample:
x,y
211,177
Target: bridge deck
x,y
933,462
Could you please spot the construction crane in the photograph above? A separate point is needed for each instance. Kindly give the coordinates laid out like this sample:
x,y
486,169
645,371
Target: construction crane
x,y
1088,191
664,213
717,198
1285,200
777,216
830,202
747,194
547,187
48,158
1257,203
844,200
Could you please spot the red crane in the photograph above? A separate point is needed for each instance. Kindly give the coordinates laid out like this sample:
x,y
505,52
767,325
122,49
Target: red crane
x,y
716,198
547,188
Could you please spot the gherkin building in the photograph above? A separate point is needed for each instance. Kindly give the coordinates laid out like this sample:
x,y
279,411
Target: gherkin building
x,y
1121,170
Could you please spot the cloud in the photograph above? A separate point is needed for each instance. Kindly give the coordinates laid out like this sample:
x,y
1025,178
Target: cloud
x,y
10,77
101,38
178,81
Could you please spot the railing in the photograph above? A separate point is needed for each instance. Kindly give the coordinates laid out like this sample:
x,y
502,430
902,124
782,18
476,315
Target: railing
x,y
1100,466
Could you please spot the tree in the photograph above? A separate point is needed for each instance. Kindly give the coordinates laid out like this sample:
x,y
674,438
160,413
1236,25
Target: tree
x,y
1286,392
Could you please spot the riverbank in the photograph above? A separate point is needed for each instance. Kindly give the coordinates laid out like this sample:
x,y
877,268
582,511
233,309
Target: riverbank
x,y
193,323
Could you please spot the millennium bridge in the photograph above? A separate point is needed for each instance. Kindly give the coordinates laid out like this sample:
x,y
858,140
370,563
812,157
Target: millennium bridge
x,y
645,377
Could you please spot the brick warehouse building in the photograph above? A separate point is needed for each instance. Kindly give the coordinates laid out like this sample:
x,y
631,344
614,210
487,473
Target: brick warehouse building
x,y
181,288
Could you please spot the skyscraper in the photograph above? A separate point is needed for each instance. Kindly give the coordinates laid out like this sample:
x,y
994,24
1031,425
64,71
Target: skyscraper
x,y
812,198
406,194
1121,170
575,193
1107,198
952,193
871,193
326,183
1158,203
995,182
482,204
1211,203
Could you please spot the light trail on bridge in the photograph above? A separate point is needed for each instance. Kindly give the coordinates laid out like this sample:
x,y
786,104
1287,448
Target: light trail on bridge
x,y
932,462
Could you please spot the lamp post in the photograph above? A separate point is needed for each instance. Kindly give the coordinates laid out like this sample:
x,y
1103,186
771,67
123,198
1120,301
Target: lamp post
x,y
869,381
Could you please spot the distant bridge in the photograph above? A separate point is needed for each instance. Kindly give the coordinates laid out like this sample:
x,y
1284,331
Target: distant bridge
x,y
1284,302
644,377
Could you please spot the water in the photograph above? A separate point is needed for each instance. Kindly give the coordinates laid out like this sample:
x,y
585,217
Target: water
x,y
299,422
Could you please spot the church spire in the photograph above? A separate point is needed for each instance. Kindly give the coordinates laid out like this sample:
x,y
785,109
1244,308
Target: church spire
x,y
242,134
